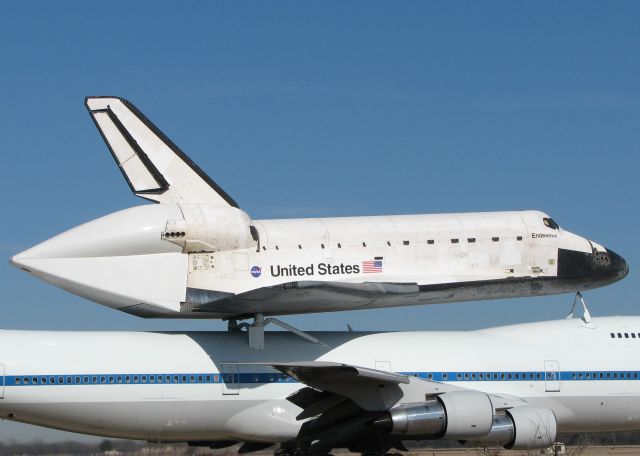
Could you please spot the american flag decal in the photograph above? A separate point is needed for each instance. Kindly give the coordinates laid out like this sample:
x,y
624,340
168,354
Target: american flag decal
x,y
370,266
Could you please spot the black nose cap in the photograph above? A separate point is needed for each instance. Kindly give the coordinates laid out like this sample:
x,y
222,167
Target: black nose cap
x,y
617,265
590,270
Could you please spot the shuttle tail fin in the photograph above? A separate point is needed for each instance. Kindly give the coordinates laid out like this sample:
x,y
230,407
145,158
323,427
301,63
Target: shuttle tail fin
x,y
154,167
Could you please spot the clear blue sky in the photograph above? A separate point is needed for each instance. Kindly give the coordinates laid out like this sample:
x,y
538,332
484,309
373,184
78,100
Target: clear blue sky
x,y
323,109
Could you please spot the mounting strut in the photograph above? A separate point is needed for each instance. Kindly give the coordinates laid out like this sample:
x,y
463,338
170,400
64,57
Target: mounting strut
x,y
255,330
586,316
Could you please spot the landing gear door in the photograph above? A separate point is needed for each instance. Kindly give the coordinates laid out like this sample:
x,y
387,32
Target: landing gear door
x,y
551,376
230,379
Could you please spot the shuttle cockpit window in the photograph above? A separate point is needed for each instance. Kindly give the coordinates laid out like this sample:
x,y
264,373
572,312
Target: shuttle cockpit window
x,y
550,223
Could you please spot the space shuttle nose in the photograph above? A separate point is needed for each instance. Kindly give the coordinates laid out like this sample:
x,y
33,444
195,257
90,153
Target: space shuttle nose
x,y
589,270
617,265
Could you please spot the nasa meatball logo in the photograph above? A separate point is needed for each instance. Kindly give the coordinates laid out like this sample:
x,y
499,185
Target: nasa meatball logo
x,y
256,271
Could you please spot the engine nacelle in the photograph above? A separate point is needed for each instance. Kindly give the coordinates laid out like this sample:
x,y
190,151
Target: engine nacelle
x,y
535,427
521,428
455,415
211,229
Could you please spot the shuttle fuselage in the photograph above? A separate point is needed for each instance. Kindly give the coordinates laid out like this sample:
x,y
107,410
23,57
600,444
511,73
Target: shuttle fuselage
x,y
198,255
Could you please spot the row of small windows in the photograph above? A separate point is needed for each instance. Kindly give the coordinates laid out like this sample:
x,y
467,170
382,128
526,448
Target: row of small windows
x,y
270,378
625,335
603,375
499,376
118,379
103,379
487,376
470,240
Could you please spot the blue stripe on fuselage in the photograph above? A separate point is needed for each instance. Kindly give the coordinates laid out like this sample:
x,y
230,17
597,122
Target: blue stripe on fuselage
x,y
265,378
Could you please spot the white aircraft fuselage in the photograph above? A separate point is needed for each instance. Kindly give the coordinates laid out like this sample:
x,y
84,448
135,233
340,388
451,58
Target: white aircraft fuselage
x,y
198,255
207,387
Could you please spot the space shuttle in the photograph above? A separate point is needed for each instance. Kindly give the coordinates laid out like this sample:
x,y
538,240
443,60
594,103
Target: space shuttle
x,y
197,254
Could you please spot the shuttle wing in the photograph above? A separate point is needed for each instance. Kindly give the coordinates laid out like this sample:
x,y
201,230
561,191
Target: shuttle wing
x,y
154,167
300,297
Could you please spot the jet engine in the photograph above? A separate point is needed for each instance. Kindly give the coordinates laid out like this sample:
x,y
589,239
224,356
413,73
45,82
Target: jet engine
x,y
520,428
468,416
456,415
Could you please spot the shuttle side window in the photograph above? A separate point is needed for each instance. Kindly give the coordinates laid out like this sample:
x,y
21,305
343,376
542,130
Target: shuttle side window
x,y
550,223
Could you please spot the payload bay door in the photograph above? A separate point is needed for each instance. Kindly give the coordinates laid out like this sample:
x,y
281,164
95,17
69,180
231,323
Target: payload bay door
x,y
230,379
551,376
